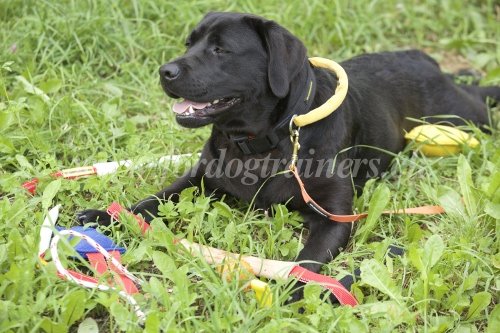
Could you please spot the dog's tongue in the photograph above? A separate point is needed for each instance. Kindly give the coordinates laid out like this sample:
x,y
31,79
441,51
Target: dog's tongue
x,y
183,106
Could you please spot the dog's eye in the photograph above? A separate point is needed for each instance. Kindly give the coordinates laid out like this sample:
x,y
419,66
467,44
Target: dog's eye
x,y
218,50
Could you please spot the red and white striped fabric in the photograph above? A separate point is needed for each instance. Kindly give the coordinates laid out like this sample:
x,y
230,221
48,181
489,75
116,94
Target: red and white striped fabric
x,y
126,278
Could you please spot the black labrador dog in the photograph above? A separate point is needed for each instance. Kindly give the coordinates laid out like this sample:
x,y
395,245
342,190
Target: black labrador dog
x,y
247,76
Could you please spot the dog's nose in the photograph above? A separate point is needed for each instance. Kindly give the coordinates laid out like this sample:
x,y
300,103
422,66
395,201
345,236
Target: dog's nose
x,y
170,71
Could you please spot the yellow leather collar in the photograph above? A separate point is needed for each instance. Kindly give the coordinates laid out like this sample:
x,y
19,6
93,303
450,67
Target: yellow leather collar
x,y
333,102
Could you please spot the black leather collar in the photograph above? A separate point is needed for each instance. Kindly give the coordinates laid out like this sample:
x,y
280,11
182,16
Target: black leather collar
x,y
261,144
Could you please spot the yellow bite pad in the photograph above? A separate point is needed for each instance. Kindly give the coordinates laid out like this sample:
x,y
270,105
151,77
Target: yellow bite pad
x,y
439,140
262,293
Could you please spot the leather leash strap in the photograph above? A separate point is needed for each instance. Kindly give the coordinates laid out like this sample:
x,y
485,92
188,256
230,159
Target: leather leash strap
x,y
115,209
337,289
423,210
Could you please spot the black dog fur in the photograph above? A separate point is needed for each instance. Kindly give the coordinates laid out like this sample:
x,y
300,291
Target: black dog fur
x,y
264,66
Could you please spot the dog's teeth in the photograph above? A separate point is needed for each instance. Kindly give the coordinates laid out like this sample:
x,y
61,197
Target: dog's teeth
x,y
216,101
191,110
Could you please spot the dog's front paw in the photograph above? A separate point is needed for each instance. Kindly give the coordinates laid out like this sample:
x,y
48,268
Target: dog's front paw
x,y
93,215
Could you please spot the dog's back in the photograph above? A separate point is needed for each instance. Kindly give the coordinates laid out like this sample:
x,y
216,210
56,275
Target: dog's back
x,y
415,87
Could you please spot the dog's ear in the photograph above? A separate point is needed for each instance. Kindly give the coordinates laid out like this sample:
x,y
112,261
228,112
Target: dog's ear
x,y
286,54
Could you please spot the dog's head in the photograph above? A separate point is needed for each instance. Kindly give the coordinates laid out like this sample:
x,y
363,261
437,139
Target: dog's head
x,y
235,70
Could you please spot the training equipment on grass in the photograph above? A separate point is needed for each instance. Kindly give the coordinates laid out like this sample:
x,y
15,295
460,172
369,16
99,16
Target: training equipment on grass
x,y
438,140
102,253
271,269
104,257
104,168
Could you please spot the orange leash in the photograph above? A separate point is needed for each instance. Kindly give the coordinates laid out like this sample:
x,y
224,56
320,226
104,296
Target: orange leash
x,y
423,210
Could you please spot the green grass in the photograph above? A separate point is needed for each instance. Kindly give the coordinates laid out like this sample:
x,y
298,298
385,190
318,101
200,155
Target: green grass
x,y
95,65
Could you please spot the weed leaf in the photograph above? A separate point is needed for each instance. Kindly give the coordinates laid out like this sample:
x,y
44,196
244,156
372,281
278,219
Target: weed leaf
x,y
378,202
223,209
492,77
415,256
121,315
451,201
376,275
51,86
494,185
494,320
89,325
31,89
73,306
464,175
23,162
6,145
113,90
50,192
164,263
230,234
153,323
6,119
391,309
492,209
52,327
433,250
479,302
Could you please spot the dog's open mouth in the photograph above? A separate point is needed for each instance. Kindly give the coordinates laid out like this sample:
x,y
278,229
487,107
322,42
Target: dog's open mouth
x,y
190,109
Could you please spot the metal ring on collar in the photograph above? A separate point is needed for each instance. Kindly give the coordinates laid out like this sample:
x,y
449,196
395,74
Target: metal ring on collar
x,y
290,125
